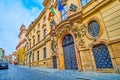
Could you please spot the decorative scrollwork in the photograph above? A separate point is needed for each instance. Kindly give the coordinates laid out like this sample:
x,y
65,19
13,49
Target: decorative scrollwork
x,y
54,41
79,31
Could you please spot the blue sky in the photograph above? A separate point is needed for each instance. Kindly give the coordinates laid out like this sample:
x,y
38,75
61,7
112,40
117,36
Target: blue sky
x,y
14,13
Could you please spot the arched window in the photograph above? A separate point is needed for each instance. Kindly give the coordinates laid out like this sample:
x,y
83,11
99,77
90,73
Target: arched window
x,y
101,56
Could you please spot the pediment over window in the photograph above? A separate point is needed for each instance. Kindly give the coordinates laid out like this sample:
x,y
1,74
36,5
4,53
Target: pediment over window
x,y
63,2
73,7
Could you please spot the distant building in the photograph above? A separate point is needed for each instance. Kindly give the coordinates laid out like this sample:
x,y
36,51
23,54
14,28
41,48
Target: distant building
x,y
5,58
13,58
1,54
20,48
10,58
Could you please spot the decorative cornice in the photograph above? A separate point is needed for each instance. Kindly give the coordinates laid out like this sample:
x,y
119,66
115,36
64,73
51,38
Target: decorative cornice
x,y
45,2
31,26
114,41
96,6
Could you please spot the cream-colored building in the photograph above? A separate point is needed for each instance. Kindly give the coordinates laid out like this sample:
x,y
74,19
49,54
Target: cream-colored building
x,y
84,35
20,48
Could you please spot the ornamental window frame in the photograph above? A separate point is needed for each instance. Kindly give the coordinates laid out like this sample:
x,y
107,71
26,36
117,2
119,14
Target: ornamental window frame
x,y
38,25
52,24
34,41
44,50
44,19
38,55
101,26
44,32
33,57
89,25
38,38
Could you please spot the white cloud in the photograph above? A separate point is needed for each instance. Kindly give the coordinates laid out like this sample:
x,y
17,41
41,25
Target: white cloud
x,y
12,15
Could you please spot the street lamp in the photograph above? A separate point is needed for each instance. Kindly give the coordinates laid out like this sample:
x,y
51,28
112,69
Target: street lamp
x,y
30,58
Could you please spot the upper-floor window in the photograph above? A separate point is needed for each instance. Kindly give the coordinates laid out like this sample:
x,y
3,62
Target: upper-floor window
x,y
30,34
33,41
39,26
84,2
44,19
64,12
52,46
52,24
44,33
63,1
38,37
44,53
27,45
38,55
30,43
34,31
33,57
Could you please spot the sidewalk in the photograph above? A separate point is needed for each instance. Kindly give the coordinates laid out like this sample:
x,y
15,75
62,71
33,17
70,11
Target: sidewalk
x,y
76,75
42,69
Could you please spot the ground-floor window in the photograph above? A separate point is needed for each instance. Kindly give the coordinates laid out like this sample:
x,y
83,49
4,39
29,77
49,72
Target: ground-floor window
x,y
101,56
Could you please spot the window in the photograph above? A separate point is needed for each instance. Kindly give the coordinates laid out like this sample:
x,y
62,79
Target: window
x,y
64,12
30,34
33,41
33,57
63,1
38,55
44,33
38,37
52,24
34,31
84,2
44,19
101,56
52,46
44,53
39,26
93,29
27,45
30,43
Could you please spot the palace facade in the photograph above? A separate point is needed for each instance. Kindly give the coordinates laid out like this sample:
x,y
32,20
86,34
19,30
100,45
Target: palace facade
x,y
82,35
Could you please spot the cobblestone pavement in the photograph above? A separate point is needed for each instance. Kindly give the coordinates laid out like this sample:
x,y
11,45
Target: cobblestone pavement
x,y
76,75
37,73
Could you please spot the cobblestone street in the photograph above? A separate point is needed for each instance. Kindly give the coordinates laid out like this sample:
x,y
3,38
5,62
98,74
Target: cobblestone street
x,y
36,73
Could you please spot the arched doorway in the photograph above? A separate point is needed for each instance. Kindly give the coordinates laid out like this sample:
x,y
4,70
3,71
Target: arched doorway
x,y
54,62
69,52
101,56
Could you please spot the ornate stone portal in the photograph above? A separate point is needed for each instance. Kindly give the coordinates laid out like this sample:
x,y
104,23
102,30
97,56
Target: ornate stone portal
x,y
77,32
